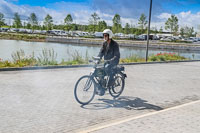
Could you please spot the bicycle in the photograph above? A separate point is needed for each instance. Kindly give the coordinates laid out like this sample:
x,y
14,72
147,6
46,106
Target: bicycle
x,y
98,81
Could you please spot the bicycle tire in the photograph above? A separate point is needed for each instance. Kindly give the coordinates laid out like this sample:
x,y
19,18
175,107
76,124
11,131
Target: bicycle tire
x,y
112,90
90,82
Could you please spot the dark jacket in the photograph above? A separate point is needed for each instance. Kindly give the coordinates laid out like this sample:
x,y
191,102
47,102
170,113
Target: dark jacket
x,y
110,52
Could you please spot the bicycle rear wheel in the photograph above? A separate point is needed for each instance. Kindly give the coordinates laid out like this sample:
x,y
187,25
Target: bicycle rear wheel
x,y
84,90
118,87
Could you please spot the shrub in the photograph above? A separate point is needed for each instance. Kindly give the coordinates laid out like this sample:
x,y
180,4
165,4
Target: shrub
x,y
48,57
166,57
132,58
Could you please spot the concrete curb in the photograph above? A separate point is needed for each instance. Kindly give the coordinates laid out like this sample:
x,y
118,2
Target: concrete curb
x,y
126,43
77,66
42,67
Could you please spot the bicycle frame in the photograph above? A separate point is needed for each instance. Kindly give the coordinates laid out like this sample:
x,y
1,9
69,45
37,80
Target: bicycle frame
x,y
95,76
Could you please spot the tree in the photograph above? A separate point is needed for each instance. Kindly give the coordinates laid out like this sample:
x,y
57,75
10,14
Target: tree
x,y
189,32
182,32
161,30
142,21
68,21
102,25
28,26
172,24
154,30
93,21
2,19
48,22
127,28
74,27
33,20
116,24
17,21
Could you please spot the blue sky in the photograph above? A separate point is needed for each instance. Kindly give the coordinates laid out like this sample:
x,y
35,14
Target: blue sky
x,y
188,11
45,3
173,6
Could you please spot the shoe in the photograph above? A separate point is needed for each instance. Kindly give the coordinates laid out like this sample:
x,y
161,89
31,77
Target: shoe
x,y
111,83
100,91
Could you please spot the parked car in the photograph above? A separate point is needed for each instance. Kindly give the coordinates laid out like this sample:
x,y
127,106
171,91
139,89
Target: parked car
x,y
120,35
131,36
144,37
4,29
169,38
14,30
29,31
22,31
98,34
194,38
43,32
188,40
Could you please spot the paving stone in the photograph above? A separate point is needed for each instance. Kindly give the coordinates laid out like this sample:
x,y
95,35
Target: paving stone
x,y
43,100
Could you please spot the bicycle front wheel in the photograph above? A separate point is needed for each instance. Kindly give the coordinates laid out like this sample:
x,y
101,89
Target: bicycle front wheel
x,y
84,90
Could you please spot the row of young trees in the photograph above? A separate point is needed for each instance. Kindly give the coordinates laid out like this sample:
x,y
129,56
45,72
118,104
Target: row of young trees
x,y
96,24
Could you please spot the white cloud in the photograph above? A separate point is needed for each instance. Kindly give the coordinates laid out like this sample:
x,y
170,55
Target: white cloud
x,y
164,16
81,14
185,19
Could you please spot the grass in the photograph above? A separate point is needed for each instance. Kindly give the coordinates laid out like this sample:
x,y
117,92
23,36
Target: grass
x,y
25,37
48,58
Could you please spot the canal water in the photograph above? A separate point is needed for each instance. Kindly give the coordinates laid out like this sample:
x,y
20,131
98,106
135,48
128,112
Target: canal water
x,y
66,51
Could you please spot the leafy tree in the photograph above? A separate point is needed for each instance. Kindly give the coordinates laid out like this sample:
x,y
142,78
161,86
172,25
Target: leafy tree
x,y
154,30
189,32
182,32
17,21
68,21
116,24
33,21
93,21
139,32
133,30
127,28
161,30
2,19
172,24
102,25
116,19
28,26
48,22
142,21
74,27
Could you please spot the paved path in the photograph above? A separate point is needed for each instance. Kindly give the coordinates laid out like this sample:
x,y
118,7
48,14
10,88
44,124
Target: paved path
x,y
43,101
180,119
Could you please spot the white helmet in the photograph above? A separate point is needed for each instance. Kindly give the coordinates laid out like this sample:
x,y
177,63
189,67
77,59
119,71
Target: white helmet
x,y
109,32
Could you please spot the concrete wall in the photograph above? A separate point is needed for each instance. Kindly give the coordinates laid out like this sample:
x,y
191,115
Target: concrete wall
x,y
138,44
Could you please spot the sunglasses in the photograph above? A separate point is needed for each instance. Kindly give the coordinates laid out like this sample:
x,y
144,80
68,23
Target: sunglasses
x,y
105,35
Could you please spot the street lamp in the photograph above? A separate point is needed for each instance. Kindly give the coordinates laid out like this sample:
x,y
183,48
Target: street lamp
x,y
147,48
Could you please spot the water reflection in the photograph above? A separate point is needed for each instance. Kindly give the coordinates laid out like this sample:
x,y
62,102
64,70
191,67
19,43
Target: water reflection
x,y
64,51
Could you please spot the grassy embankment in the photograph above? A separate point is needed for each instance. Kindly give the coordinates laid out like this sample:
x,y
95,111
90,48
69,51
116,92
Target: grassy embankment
x,y
48,58
24,37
